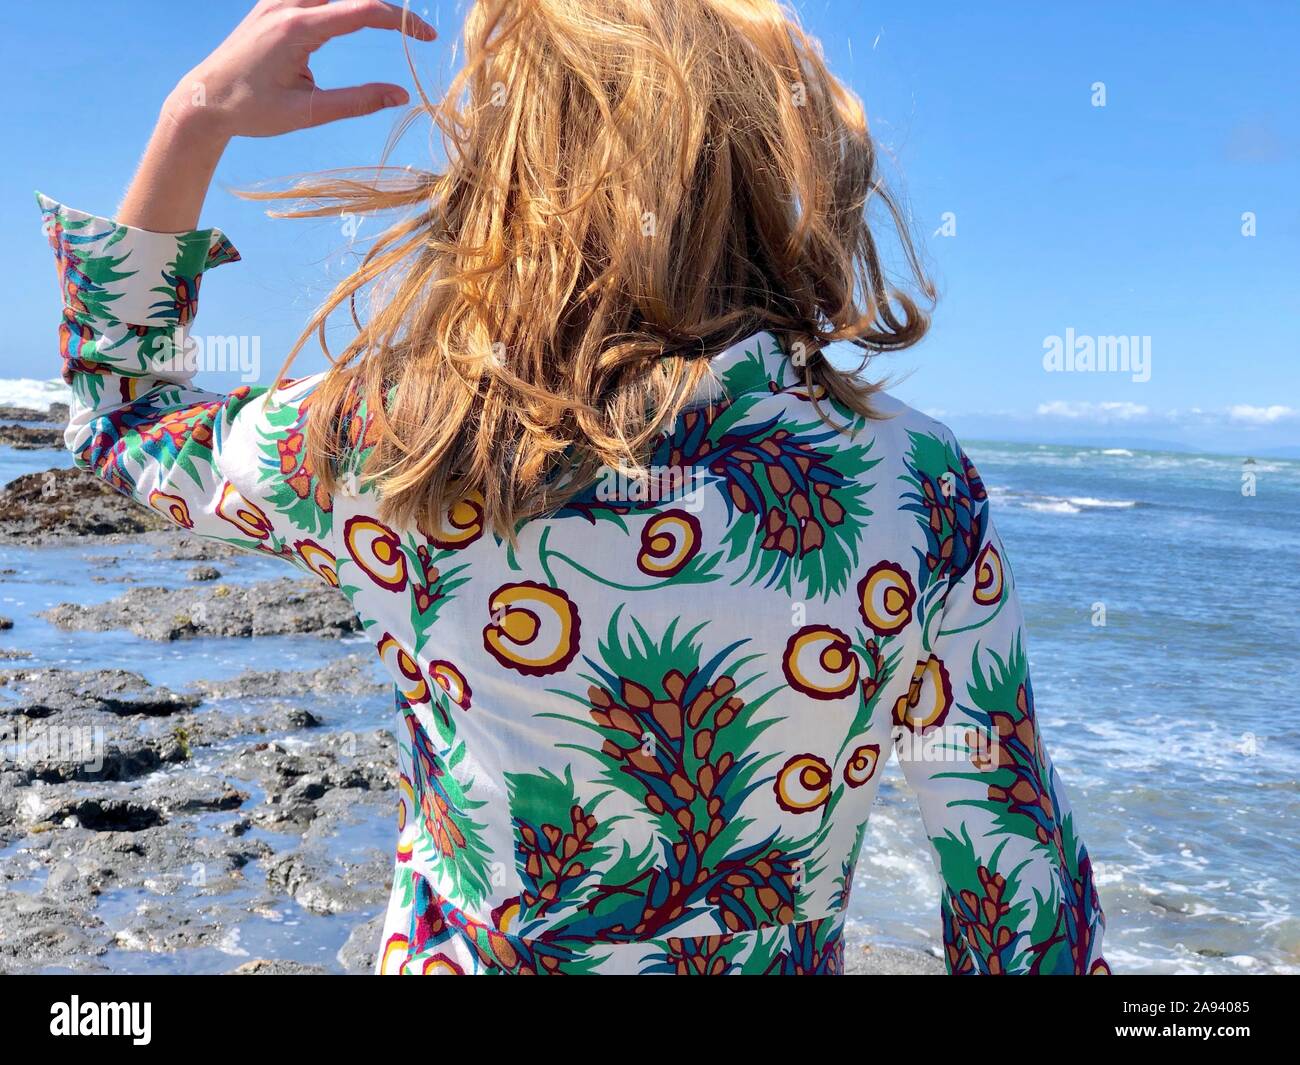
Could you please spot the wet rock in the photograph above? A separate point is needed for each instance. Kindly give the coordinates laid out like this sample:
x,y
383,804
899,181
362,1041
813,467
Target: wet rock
x,y
35,931
79,862
68,503
57,414
272,967
208,726
864,959
25,438
39,693
269,608
352,674
360,953
106,815
6,623
320,883
347,761
71,725
183,547
193,797
158,926
204,573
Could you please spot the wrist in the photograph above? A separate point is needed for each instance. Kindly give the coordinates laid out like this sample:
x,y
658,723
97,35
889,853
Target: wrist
x,y
189,115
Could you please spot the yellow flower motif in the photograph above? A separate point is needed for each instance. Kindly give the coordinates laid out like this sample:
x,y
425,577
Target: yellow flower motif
x,y
819,661
861,765
534,629
928,697
988,576
405,803
460,526
247,517
319,561
505,916
452,681
173,507
803,784
441,965
668,543
374,547
395,952
885,598
405,670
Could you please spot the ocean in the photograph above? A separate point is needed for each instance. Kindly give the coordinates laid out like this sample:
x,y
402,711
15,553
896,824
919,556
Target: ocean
x,y
1162,624
1162,619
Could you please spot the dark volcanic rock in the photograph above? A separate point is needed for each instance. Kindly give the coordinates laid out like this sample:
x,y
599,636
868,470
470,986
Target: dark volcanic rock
x,y
863,959
361,951
69,725
272,967
349,675
57,414
57,504
25,438
269,608
39,693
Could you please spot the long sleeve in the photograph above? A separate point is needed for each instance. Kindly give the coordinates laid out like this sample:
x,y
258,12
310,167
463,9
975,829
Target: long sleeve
x,y
1018,893
223,466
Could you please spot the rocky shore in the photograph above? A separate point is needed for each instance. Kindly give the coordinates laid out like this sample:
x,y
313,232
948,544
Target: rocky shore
x,y
222,825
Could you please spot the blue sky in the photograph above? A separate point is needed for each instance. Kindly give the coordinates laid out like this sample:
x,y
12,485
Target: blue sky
x,y
1122,220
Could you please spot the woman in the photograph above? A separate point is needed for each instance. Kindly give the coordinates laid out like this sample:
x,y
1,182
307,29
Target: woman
x,y
658,586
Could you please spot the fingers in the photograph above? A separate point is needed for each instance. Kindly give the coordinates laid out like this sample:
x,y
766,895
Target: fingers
x,y
348,16
330,105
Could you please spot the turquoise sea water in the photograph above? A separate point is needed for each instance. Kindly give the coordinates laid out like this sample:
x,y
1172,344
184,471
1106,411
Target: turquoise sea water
x,y
1174,723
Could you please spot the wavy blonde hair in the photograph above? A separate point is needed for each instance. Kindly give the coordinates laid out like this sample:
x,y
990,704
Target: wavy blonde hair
x,y
631,185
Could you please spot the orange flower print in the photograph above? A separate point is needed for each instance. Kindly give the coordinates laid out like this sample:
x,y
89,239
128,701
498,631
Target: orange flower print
x,y
534,629
247,517
988,576
289,448
928,697
405,670
452,681
460,526
374,547
861,765
173,507
885,598
804,784
820,662
319,561
668,543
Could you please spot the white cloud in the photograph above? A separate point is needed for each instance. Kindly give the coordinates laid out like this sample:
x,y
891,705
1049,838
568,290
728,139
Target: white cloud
x,y
1113,411
1243,412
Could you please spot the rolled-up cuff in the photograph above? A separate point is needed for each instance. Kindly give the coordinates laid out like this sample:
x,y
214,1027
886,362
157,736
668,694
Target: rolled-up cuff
x,y
111,273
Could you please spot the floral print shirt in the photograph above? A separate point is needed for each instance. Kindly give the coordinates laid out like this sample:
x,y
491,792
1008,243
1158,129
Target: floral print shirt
x,y
645,738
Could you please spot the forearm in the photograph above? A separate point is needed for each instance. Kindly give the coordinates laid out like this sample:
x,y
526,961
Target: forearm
x,y
167,193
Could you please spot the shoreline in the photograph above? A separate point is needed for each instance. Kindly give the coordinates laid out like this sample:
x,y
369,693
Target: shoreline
x,y
230,825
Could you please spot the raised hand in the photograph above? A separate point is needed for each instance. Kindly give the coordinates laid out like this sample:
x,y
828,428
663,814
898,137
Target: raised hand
x,y
258,83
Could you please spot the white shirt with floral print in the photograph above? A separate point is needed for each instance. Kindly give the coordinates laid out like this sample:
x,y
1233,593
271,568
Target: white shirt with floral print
x,y
646,738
